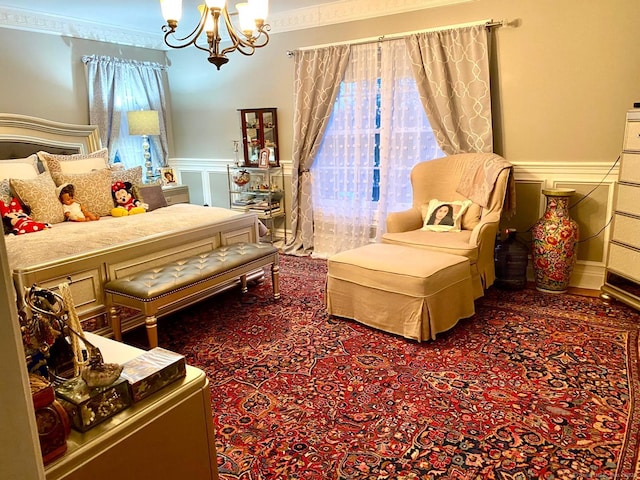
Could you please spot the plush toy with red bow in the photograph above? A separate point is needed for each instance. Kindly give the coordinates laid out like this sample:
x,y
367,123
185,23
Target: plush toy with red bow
x,y
17,221
126,203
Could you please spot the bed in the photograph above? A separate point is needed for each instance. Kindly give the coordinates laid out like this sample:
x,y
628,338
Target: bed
x,y
90,254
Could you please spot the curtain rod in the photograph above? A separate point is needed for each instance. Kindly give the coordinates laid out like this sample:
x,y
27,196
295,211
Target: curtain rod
x,y
489,23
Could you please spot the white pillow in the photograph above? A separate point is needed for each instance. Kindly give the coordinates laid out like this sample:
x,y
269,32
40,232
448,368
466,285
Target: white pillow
x,y
23,168
445,216
76,163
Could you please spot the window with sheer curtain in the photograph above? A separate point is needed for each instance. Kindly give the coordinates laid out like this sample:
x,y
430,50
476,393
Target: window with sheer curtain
x,y
377,132
117,86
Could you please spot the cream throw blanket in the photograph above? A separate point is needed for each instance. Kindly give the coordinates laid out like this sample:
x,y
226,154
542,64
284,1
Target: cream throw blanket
x,y
479,177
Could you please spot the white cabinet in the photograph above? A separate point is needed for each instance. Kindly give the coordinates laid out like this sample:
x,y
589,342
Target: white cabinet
x,y
176,194
167,436
622,276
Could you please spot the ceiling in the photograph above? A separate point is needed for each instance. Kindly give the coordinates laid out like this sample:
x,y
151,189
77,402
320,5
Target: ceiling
x,y
139,22
136,15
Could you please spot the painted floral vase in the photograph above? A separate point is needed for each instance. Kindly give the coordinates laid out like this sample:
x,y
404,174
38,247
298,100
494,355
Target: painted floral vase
x,y
554,243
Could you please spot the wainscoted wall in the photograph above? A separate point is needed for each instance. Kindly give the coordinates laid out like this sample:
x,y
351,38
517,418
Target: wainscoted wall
x,y
209,184
591,205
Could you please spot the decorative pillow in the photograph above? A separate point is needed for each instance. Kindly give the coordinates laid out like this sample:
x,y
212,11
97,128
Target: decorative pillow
x,y
152,195
131,175
5,191
444,216
19,167
77,163
40,195
92,190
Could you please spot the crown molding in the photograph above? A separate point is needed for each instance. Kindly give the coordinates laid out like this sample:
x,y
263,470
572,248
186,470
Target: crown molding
x,y
348,11
70,27
327,14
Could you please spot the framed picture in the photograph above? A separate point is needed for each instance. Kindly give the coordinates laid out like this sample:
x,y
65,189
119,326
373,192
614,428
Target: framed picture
x,y
263,159
167,176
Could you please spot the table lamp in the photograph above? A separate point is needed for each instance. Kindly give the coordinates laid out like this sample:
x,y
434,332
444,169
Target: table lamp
x,y
144,123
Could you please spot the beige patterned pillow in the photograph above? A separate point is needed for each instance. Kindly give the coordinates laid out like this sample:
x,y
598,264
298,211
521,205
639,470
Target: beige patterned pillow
x,y
92,190
19,167
76,163
5,191
132,175
40,195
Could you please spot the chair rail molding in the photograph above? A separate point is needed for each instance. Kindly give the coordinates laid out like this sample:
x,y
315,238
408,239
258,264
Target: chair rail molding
x,y
586,274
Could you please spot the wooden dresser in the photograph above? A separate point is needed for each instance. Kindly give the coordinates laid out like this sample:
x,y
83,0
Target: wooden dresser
x,y
622,276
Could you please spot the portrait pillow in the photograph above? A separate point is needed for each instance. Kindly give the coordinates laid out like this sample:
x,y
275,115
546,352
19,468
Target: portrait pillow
x,y
40,195
76,163
444,216
19,168
131,175
92,190
152,195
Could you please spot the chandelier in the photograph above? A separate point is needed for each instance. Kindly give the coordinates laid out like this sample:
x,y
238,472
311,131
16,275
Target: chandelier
x,y
251,34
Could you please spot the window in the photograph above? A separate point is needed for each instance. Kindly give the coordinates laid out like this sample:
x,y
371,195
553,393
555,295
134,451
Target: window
x,y
377,132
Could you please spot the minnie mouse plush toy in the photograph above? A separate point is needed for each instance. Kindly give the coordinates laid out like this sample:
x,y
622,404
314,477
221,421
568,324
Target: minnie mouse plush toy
x,y
17,221
126,203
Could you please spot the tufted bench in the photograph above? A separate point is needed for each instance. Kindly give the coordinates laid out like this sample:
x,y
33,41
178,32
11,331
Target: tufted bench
x,y
403,290
187,280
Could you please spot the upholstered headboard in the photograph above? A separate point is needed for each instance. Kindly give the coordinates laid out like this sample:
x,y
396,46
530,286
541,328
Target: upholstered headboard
x,y
22,135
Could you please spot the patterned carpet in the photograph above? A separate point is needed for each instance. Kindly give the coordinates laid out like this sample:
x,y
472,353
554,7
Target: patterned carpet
x,y
533,386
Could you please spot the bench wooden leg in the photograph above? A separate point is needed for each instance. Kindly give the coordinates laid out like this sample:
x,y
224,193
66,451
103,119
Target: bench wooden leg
x,y
152,330
243,284
275,280
116,324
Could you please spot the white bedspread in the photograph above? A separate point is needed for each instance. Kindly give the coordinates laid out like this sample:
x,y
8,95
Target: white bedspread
x,y
73,238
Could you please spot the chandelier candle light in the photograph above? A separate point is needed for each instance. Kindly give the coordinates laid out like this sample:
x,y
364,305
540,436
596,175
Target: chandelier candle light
x,y
145,123
251,34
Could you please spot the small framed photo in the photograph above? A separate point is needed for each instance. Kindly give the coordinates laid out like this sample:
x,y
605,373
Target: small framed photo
x,y
167,176
263,159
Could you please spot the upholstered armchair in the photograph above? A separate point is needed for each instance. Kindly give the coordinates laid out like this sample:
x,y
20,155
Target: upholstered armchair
x,y
483,178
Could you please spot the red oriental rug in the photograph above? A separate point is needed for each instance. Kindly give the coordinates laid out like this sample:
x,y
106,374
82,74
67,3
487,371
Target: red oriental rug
x,y
533,386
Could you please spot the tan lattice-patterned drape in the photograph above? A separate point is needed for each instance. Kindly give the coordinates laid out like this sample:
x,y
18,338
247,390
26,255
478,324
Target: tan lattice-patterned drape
x,y
451,68
318,74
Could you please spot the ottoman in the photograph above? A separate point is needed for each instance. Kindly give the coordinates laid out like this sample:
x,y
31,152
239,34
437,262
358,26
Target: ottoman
x,y
402,290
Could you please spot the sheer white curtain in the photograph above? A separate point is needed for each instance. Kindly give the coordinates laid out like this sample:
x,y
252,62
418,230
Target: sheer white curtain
x,y
117,86
378,130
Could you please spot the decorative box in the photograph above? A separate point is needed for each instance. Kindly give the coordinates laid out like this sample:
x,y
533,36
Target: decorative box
x,y
87,406
51,419
153,370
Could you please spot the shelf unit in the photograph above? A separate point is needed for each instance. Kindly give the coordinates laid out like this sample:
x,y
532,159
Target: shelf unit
x,y
622,276
260,191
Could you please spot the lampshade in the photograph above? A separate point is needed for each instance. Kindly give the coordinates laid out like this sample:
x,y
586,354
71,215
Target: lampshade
x,y
143,122
171,9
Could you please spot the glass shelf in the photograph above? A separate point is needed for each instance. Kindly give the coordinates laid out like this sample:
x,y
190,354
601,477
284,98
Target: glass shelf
x,y
259,191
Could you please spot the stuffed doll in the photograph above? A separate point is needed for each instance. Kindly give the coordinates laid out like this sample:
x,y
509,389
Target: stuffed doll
x,y
17,221
126,203
73,210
